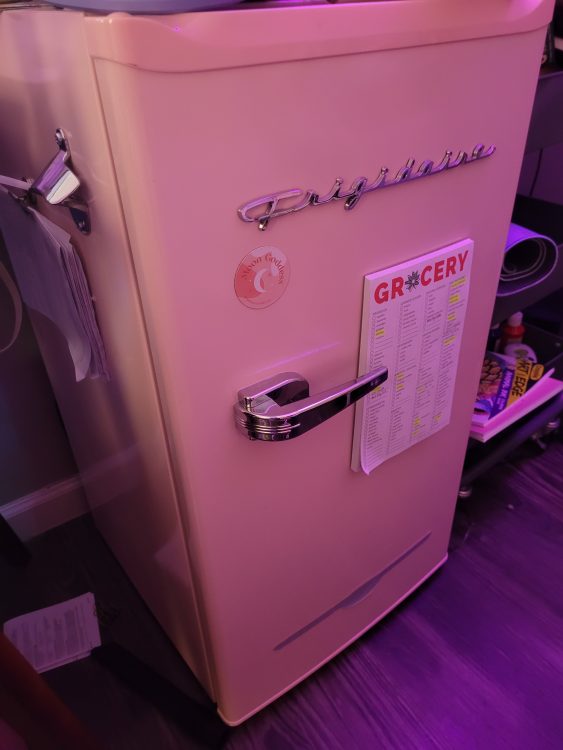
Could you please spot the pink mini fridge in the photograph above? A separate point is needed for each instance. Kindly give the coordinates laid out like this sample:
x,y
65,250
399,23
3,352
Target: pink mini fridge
x,y
257,179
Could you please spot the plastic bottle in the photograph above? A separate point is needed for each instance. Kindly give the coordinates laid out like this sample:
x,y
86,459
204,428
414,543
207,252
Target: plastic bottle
x,y
521,351
512,330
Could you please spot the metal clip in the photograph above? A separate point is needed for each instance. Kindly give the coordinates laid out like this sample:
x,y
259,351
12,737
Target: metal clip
x,y
57,184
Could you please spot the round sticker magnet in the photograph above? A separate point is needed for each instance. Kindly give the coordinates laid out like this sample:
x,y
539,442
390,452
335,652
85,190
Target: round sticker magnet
x,y
262,277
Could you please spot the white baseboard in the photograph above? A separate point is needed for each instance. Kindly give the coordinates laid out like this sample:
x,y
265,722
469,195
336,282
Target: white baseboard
x,y
46,508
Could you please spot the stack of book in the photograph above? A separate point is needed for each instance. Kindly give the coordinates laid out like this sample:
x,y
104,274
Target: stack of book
x,y
509,389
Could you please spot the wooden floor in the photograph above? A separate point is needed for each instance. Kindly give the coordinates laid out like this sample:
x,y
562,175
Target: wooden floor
x,y
473,661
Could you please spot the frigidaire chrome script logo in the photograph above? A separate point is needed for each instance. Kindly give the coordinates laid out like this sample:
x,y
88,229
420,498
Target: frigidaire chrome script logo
x,y
262,210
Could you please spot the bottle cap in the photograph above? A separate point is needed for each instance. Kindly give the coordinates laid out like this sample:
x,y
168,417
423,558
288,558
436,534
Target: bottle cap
x,y
515,320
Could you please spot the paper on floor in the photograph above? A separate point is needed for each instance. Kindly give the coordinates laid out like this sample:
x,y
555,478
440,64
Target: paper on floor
x,y
56,635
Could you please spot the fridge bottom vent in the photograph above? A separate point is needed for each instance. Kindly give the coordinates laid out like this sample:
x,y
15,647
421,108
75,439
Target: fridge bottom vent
x,y
356,596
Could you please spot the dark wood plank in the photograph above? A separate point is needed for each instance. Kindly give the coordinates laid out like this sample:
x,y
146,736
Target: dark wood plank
x,y
474,660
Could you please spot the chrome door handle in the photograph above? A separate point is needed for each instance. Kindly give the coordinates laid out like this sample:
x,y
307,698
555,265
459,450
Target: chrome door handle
x,y
280,408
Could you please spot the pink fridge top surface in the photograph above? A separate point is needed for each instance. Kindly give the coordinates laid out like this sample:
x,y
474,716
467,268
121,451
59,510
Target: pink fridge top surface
x,y
254,35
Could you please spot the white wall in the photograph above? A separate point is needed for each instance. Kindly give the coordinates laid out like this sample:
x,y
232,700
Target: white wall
x,y
34,451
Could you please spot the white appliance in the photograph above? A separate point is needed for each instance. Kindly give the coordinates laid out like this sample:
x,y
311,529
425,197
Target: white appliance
x,y
264,558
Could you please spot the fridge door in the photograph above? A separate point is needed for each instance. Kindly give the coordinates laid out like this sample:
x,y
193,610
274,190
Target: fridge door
x,y
295,554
